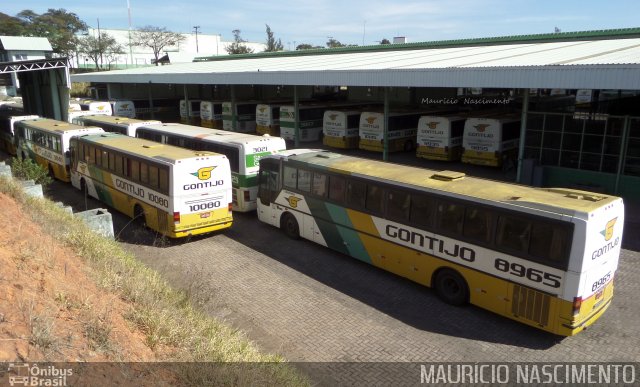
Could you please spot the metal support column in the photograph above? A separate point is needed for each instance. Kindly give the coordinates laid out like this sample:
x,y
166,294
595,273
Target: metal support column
x,y
385,133
523,134
296,117
151,102
187,105
55,95
623,152
234,118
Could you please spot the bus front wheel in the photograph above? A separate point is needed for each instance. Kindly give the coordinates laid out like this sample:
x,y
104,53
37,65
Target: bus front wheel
x,y
290,226
451,287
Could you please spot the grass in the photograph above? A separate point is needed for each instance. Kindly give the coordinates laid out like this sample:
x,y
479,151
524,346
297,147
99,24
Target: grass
x,y
172,323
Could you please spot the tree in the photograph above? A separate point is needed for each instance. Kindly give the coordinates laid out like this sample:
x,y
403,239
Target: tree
x,y
104,48
238,46
57,25
156,39
306,46
385,41
11,26
272,44
332,43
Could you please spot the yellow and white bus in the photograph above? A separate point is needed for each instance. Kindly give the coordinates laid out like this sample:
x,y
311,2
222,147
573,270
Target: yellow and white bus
x,y
7,132
245,116
490,141
123,108
545,257
341,127
174,191
115,124
98,107
401,133
440,137
192,114
46,141
243,150
211,114
268,118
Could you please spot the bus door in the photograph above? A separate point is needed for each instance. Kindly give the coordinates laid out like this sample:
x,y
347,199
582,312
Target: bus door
x,y
268,190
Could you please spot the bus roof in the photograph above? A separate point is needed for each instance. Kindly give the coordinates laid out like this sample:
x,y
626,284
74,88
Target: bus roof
x,y
208,133
51,125
563,201
116,120
146,148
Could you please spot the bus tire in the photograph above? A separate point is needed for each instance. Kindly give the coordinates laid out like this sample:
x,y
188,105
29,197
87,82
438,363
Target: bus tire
x,y
451,287
290,226
138,215
83,186
52,174
408,145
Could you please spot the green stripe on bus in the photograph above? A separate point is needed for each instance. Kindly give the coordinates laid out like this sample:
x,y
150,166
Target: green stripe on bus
x,y
243,181
253,160
101,187
337,230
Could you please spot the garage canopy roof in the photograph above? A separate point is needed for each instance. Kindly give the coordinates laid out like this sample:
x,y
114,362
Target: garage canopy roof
x,y
590,60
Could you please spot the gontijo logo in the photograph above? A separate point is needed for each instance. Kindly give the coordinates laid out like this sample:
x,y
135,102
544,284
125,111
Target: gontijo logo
x,y
607,233
293,201
608,230
481,127
204,173
432,124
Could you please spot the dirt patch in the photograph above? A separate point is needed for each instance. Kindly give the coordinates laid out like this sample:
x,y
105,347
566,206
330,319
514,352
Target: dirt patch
x,y
50,307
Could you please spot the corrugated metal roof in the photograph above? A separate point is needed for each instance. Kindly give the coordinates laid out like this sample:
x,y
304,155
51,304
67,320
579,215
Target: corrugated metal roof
x,y
24,43
590,64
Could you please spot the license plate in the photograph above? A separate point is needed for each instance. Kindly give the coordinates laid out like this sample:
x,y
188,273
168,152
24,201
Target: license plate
x,y
599,294
205,215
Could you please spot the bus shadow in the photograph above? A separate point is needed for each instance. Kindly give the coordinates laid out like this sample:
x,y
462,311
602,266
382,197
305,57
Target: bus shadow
x,y
125,229
400,298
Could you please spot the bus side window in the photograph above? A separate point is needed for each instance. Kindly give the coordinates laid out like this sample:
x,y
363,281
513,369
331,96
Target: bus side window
x,y
135,170
319,184
304,180
92,155
356,194
398,205
450,217
513,234
422,210
290,177
336,188
153,176
374,198
119,169
144,173
163,180
549,242
478,224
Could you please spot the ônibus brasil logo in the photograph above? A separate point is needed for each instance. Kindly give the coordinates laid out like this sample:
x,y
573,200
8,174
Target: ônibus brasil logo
x,y
608,230
203,173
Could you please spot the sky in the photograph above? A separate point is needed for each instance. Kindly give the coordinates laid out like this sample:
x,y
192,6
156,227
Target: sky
x,y
360,22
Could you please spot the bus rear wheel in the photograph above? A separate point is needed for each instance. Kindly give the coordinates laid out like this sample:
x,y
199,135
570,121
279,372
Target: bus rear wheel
x,y
290,226
451,287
